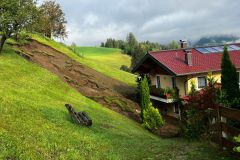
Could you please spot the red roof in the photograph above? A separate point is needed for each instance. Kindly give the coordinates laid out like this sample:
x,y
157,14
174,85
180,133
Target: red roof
x,y
174,60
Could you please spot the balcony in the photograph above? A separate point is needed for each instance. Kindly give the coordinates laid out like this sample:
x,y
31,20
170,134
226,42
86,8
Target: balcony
x,y
163,95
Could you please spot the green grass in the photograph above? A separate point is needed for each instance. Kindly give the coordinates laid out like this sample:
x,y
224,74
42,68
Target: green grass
x,y
110,66
98,51
108,56
34,123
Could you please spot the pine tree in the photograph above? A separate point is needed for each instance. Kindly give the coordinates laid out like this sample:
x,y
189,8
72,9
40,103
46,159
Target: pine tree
x,y
229,77
144,95
131,44
131,40
102,44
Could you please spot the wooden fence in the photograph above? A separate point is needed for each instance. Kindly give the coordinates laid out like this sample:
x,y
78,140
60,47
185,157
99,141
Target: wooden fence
x,y
220,131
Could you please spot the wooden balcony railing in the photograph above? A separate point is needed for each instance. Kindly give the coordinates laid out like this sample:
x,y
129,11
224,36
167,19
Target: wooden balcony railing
x,y
167,93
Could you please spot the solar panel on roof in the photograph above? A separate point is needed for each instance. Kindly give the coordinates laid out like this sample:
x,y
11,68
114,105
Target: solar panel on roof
x,y
202,50
219,49
230,48
210,49
234,47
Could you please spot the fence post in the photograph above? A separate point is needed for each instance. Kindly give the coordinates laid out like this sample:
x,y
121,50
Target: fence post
x,y
219,126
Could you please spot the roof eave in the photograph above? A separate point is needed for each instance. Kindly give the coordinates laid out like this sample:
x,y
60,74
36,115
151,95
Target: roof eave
x,y
191,73
140,62
148,55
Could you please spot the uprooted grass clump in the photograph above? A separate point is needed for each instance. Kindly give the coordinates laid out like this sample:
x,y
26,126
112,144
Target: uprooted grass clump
x,y
121,104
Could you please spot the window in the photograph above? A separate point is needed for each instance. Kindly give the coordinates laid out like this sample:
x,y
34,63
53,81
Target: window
x,y
158,85
202,82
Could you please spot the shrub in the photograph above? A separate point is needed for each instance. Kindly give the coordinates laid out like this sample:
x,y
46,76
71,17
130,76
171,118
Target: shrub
x,y
73,47
22,38
193,89
195,110
237,139
169,91
195,124
152,119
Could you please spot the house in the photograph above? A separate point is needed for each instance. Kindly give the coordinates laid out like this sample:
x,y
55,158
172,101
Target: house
x,y
178,69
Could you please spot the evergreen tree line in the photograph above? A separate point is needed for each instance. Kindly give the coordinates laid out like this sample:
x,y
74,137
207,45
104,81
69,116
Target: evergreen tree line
x,y
136,49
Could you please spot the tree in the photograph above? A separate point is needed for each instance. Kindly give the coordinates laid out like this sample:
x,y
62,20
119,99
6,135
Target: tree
x,y
15,16
102,44
144,95
137,54
131,40
109,43
173,45
74,47
52,20
131,44
121,44
229,77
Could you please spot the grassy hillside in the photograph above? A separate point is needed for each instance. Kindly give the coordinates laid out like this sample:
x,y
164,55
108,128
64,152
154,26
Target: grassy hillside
x,y
108,68
108,56
98,51
34,123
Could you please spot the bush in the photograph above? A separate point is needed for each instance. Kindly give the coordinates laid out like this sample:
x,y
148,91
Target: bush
x,y
195,124
195,115
237,139
73,47
152,119
22,38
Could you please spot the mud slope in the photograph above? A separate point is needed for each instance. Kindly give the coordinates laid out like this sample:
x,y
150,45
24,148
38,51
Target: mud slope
x,y
104,90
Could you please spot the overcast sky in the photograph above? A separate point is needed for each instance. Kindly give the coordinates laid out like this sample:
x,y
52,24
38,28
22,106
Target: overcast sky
x,y
93,21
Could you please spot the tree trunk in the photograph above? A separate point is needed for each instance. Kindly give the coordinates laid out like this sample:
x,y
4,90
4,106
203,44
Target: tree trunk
x,y
3,40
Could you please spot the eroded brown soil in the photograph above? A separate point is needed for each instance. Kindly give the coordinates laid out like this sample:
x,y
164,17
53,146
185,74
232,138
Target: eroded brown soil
x,y
92,84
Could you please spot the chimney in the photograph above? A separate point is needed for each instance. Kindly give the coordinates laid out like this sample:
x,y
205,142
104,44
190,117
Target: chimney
x,y
183,43
188,57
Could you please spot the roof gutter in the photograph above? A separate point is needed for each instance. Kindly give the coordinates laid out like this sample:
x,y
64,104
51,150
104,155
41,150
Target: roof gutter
x,y
185,74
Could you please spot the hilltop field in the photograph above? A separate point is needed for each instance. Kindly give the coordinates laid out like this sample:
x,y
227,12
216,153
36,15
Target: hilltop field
x,y
108,56
34,123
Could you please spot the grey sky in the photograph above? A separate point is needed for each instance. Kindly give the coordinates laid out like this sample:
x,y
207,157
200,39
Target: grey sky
x,y
93,21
